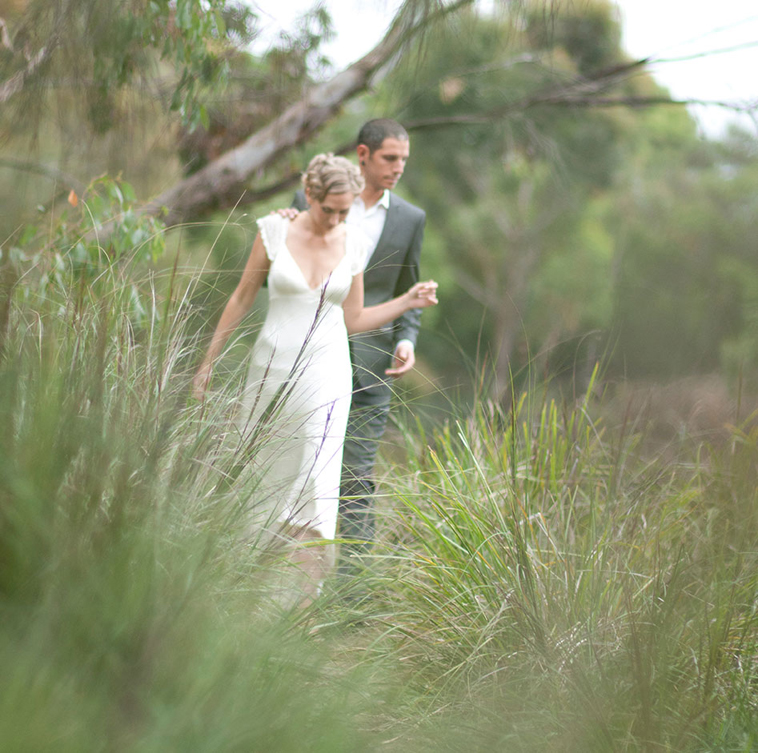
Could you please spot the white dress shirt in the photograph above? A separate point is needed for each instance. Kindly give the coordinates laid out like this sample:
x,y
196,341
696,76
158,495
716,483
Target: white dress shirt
x,y
371,222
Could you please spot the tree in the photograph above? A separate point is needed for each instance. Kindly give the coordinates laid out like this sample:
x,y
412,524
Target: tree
x,y
115,42
523,118
685,292
514,198
101,46
194,36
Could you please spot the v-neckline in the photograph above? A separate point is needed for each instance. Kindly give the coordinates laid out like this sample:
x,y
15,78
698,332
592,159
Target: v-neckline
x,y
302,274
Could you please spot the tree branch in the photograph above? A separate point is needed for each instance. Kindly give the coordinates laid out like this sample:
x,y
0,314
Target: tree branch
x,y
570,100
290,180
59,176
252,196
222,182
577,93
706,53
5,37
16,82
652,101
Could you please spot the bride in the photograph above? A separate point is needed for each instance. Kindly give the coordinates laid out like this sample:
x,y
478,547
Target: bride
x,y
299,384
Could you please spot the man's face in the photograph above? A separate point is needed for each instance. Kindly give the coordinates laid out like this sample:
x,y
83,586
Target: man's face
x,y
383,167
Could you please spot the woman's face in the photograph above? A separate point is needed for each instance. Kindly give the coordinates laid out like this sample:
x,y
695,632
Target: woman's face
x,y
327,214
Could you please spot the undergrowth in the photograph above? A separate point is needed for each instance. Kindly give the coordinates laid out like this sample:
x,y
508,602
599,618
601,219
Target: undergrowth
x,y
540,584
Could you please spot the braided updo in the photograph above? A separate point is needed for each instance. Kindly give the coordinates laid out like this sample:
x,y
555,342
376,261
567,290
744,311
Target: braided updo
x,y
329,174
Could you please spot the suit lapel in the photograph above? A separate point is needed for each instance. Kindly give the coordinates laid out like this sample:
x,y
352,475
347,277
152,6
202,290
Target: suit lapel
x,y
386,245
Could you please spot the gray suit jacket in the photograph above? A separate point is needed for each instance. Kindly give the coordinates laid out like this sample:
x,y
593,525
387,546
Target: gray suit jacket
x,y
392,269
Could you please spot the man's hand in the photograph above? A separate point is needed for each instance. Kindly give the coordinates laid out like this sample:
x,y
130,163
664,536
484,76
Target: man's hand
x,y
403,360
289,212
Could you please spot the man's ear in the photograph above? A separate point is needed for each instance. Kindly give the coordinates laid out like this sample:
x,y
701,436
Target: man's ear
x,y
363,153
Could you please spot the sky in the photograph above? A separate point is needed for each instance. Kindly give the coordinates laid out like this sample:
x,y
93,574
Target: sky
x,y
676,33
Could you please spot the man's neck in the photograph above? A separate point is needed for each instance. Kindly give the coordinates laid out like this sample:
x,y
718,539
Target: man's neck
x,y
371,196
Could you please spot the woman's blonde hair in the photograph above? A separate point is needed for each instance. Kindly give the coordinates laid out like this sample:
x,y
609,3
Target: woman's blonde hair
x,y
329,174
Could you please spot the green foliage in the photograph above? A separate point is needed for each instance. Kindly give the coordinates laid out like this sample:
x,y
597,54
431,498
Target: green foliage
x,y
118,42
589,33
560,223
685,293
259,89
69,254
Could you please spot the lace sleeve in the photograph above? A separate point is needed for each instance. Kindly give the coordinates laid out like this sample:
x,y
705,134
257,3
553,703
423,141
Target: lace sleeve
x,y
273,229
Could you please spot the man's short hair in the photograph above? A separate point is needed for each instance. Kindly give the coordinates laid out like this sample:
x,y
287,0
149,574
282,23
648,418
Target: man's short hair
x,y
373,133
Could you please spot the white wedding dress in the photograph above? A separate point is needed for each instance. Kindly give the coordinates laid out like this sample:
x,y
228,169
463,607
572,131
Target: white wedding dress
x,y
297,397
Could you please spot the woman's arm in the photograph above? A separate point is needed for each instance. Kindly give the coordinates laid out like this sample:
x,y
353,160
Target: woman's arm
x,y
360,319
238,305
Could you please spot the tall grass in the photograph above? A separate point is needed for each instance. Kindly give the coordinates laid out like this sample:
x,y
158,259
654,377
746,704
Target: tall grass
x,y
134,613
542,582
571,594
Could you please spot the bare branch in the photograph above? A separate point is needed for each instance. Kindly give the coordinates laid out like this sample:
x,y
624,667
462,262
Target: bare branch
x,y
652,101
59,176
5,37
706,53
576,93
16,82
570,100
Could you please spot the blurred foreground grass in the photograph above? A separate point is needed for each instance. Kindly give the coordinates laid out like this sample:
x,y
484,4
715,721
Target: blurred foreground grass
x,y
541,584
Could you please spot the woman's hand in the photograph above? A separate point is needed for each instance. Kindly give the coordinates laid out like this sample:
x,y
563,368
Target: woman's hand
x,y
360,318
422,295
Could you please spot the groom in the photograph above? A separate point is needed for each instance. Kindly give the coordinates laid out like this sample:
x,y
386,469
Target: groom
x,y
396,230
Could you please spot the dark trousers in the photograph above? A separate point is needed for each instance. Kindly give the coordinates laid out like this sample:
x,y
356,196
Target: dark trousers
x,y
365,428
